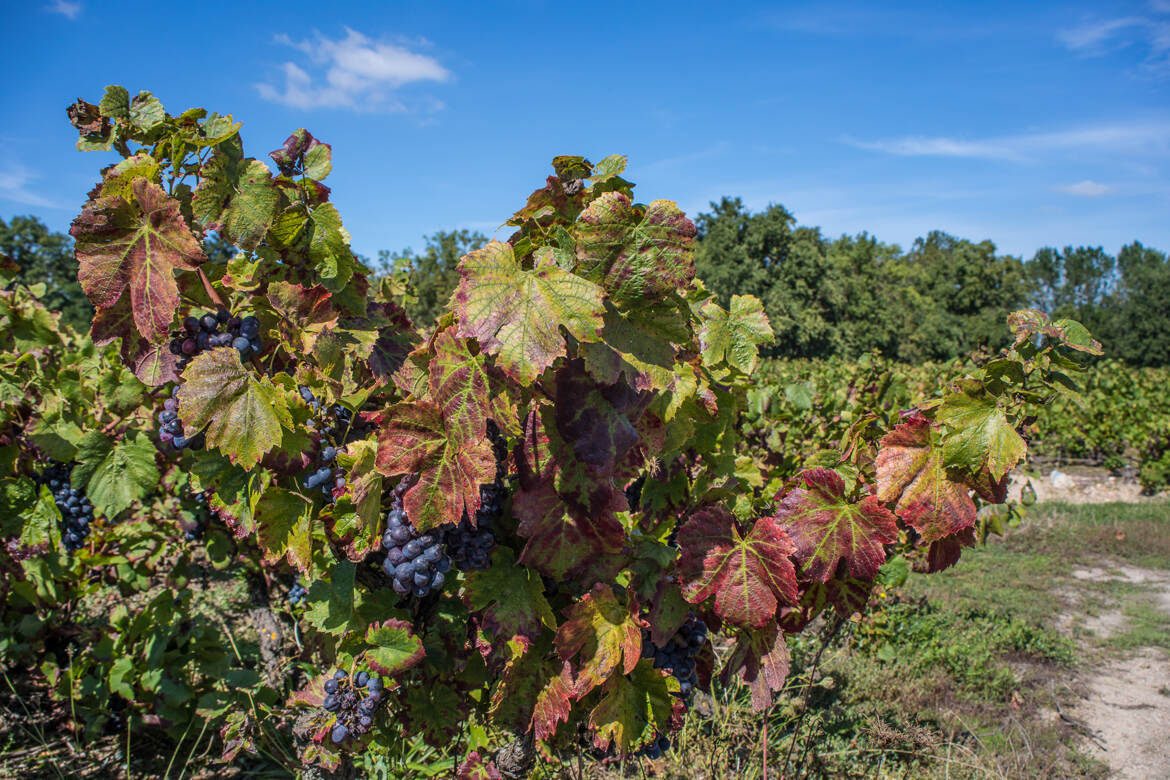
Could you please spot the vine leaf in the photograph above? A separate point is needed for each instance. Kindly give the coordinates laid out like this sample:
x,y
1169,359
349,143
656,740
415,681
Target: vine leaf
x,y
517,315
304,313
760,660
734,334
511,597
557,546
638,344
980,436
639,254
236,197
827,528
329,248
749,575
135,244
477,767
331,602
414,439
115,475
359,529
284,527
602,634
153,364
945,553
464,389
242,412
394,647
634,709
911,471
553,703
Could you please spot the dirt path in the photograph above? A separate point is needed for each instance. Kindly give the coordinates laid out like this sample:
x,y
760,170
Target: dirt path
x,y
1128,704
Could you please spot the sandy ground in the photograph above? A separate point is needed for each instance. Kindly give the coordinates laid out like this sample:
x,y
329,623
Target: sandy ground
x,y
1127,709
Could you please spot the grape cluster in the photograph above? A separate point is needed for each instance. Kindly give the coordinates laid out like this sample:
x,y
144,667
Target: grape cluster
x,y
415,561
656,748
202,333
297,593
327,477
194,527
354,702
470,548
170,429
76,509
678,656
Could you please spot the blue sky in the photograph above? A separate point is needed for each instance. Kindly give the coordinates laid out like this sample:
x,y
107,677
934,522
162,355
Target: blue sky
x,y
1029,124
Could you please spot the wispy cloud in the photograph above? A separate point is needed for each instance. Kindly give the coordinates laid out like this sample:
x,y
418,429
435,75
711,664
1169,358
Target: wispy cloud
x,y
1150,31
1087,189
13,186
354,73
1148,137
65,8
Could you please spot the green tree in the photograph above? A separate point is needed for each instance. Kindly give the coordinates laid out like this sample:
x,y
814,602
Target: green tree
x,y
1138,330
433,274
46,257
1074,282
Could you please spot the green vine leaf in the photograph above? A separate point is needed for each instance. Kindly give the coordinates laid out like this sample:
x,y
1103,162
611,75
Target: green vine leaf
x,y
393,647
331,604
136,244
115,474
242,412
749,575
639,254
911,474
517,315
236,197
734,334
358,530
304,313
634,709
980,436
511,598
827,527
284,527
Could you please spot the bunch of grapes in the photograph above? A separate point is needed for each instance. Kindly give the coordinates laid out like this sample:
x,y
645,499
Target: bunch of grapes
x,y
415,561
470,548
327,477
297,593
170,429
354,702
76,509
195,526
656,748
678,656
203,333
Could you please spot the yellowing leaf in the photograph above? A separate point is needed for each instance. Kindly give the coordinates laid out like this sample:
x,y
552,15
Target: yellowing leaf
x,y
517,315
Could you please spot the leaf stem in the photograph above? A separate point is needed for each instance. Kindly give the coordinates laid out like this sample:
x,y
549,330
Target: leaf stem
x,y
211,293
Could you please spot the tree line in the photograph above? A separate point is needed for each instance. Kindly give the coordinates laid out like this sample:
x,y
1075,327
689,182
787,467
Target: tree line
x,y
941,298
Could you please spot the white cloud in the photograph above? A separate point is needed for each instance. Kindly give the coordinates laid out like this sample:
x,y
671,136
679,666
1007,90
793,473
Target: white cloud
x,y
1133,138
353,72
13,181
65,8
1097,38
1087,189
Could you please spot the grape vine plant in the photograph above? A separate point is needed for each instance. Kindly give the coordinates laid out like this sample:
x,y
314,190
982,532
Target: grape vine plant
x,y
536,517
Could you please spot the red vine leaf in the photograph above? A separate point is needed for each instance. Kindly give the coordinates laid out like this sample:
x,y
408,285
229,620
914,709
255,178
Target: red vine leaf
x,y
152,363
553,703
517,314
463,387
477,767
945,553
304,313
760,660
749,575
827,528
602,634
414,439
136,244
911,474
